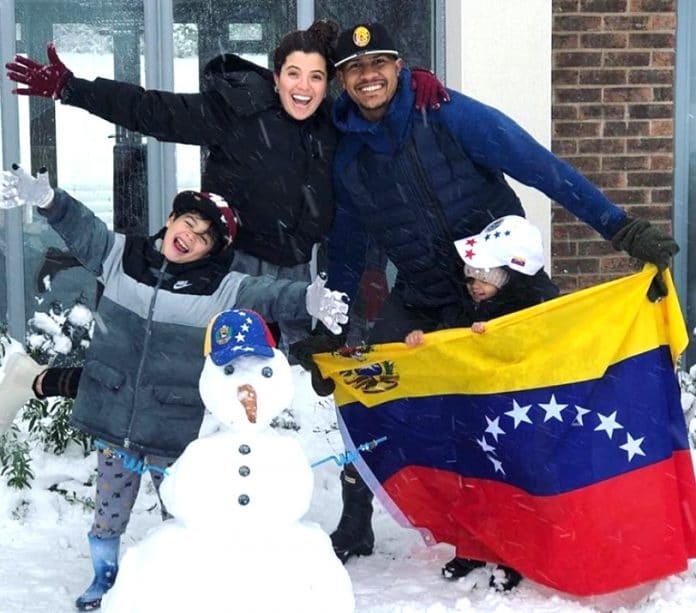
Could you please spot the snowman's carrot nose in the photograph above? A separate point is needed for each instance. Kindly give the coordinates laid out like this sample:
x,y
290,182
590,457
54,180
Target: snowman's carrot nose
x,y
246,394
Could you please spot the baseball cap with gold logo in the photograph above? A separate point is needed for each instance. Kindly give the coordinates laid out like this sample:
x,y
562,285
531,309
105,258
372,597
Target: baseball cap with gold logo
x,y
363,39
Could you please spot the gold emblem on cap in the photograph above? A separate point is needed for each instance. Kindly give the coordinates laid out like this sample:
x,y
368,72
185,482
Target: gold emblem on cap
x,y
361,36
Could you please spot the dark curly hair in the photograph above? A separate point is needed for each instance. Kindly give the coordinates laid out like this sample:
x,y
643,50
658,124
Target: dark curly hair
x,y
319,38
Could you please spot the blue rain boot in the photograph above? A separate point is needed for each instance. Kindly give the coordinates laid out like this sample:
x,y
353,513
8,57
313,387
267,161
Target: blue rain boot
x,y
104,553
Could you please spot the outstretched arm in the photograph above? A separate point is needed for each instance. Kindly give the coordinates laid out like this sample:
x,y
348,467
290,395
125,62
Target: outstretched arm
x,y
182,118
86,236
497,143
45,80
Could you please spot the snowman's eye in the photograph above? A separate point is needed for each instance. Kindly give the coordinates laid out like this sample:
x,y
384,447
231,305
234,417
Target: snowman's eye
x,y
267,372
229,369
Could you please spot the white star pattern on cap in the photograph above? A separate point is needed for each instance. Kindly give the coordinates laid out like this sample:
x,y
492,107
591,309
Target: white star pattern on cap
x,y
240,337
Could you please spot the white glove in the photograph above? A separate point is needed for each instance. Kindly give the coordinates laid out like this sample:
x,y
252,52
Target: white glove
x,y
20,188
328,307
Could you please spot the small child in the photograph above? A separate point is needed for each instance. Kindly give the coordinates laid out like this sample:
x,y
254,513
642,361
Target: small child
x,y
503,272
138,395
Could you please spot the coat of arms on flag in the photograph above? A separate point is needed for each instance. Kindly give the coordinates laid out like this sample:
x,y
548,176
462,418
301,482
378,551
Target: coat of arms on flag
x,y
553,443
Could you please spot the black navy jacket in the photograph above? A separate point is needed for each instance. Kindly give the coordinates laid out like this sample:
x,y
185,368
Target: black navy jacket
x,y
274,170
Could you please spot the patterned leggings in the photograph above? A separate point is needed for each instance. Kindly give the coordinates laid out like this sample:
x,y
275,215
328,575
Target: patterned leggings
x,y
117,489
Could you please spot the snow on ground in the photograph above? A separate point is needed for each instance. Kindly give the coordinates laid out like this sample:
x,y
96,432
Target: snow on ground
x,y
44,560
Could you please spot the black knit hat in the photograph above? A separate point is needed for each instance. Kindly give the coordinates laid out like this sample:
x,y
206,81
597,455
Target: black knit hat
x,y
222,217
363,39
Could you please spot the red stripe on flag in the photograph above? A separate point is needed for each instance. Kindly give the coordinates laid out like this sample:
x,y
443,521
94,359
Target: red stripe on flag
x,y
619,533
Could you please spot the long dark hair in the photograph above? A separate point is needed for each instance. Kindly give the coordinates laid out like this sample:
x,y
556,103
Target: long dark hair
x,y
319,38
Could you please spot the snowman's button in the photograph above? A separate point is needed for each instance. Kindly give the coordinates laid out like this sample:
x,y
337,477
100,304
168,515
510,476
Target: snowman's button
x,y
244,449
244,471
243,500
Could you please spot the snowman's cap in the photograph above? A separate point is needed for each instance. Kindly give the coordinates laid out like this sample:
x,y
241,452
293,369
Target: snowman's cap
x,y
235,333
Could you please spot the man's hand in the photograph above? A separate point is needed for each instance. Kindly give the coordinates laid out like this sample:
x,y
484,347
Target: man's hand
x,y
320,341
641,240
429,91
329,307
46,80
19,188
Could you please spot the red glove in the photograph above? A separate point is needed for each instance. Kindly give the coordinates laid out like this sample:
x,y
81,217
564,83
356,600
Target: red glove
x,y
429,91
45,80
374,290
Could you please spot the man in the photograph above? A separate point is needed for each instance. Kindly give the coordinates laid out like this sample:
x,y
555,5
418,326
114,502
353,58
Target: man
x,y
414,185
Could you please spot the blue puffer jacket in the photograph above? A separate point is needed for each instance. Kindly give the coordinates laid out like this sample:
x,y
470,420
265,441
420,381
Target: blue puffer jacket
x,y
415,184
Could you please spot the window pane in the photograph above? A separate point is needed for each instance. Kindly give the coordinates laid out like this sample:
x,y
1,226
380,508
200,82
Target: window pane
x,y
250,29
97,163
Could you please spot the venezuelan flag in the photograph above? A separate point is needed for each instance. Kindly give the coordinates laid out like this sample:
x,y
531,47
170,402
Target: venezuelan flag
x,y
554,443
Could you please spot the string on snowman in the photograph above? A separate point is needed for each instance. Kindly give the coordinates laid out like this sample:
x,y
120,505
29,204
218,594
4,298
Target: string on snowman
x,y
350,456
130,462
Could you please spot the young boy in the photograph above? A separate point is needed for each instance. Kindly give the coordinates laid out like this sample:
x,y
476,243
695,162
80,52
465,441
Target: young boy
x,y
139,391
502,268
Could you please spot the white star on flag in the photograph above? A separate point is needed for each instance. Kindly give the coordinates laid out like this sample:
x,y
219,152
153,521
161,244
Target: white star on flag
x,y
608,423
519,414
553,409
240,337
579,415
484,445
497,464
632,446
493,428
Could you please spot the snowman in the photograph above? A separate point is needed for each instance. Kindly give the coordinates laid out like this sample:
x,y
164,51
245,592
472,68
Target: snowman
x,y
237,542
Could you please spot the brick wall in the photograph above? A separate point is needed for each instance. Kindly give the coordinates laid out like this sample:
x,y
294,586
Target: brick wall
x,y
613,71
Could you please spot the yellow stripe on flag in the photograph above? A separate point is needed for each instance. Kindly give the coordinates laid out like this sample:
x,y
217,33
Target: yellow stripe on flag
x,y
568,339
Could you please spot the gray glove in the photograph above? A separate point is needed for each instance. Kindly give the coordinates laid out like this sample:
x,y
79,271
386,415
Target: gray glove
x,y
329,307
640,239
19,188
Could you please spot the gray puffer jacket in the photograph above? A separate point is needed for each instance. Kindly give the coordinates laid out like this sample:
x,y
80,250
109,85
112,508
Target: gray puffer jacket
x,y
139,388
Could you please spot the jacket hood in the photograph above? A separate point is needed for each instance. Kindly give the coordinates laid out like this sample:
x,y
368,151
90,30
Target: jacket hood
x,y
247,87
391,130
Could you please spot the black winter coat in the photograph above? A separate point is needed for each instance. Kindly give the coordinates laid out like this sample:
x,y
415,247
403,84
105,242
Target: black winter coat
x,y
275,170
520,292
